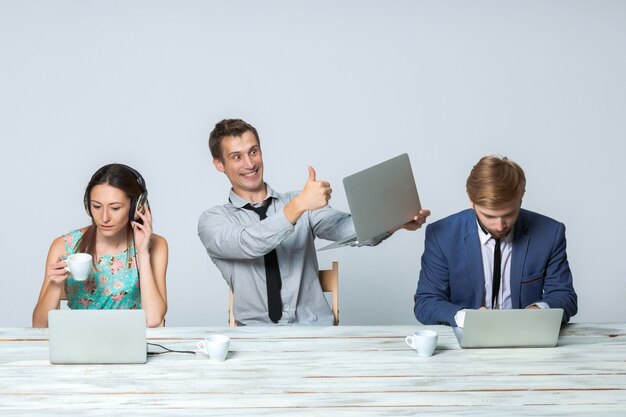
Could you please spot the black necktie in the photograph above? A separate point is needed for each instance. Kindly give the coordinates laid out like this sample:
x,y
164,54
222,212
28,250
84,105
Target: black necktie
x,y
272,272
495,288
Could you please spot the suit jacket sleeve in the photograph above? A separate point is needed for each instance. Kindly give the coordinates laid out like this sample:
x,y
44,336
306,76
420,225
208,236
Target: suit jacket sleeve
x,y
432,297
558,289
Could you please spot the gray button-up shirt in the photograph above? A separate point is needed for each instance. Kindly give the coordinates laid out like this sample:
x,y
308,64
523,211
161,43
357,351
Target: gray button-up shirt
x,y
236,240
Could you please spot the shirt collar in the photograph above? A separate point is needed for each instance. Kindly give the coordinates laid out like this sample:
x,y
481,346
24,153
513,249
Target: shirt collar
x,y
486,236
239,202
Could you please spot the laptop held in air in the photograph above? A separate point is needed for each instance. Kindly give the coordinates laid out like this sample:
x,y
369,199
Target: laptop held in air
x,y
510,328
380,198
97,336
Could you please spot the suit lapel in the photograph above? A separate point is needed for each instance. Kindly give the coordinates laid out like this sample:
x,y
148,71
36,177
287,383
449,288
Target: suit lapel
x,y
474,257
520,249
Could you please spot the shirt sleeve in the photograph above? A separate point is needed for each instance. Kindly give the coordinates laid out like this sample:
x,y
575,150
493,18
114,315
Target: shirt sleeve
x,y
225,237
433,303
334,225
459,318
331,224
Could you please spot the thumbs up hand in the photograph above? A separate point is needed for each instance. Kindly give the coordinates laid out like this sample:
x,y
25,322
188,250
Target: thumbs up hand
x,y
315,194
311,174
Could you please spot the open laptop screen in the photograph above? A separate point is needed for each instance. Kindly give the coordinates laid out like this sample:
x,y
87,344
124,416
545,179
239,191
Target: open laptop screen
x,y
510,328
381,198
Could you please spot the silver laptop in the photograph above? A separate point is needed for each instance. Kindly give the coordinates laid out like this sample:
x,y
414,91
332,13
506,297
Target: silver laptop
x,y
510,328
381,198
97,336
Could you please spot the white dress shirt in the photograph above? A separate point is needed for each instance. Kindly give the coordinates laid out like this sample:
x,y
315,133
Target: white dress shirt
x,y
487,247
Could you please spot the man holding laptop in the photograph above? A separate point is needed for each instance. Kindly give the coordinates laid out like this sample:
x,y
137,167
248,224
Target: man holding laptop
x,y
262,241
495,255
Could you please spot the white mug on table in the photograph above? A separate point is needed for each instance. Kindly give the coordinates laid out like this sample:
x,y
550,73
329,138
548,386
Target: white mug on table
x,y
215,346
423,341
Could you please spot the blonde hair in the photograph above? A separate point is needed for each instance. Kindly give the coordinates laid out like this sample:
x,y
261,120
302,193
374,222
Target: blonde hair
x,y
494,181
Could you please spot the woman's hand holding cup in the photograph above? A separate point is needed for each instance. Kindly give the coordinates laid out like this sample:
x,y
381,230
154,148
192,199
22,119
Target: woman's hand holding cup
x,y
57,272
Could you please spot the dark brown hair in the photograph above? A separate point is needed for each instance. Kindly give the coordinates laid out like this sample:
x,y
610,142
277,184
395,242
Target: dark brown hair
x,y
228,127
121,177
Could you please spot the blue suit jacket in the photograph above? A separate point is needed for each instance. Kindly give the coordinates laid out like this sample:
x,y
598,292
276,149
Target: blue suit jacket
x,y
452,274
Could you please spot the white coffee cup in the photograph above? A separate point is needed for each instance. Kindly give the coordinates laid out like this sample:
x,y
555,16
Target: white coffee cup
x,y
216,346
79,265
423,341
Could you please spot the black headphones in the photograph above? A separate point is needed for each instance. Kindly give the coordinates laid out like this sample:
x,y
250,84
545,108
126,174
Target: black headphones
x,y
136,203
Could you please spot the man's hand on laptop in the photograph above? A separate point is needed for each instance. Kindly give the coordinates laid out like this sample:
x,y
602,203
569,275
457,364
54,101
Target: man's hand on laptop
x,y
538,305
459,317
414,224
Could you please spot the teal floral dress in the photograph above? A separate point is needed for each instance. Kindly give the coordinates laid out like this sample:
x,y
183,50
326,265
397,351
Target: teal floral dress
x,y
114,284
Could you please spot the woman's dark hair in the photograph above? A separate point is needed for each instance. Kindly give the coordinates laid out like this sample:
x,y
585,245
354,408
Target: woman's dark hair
x,y
121,177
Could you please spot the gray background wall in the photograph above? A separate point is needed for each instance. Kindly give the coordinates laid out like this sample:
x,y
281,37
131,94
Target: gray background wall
x,y
339,85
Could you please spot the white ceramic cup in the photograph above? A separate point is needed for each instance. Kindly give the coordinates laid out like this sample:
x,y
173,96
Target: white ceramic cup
x,y
423,341
216,346
79,265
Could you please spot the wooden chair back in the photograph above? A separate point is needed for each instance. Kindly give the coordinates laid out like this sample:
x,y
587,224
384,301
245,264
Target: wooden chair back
x,y
329,280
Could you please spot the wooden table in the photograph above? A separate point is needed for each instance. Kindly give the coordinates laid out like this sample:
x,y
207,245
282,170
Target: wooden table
x,y
364,370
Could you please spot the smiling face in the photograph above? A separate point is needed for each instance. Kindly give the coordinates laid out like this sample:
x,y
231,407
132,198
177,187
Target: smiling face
x,y
109,208
500,220
242,163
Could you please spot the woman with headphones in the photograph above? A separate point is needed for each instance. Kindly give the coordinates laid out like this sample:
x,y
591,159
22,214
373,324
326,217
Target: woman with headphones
x,y
129,261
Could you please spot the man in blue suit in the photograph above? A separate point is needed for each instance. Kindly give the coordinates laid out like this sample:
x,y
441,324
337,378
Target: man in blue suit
x,y
495,255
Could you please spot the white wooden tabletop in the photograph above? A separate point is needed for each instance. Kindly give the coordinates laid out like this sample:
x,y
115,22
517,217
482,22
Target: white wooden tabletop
x,y
324,371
